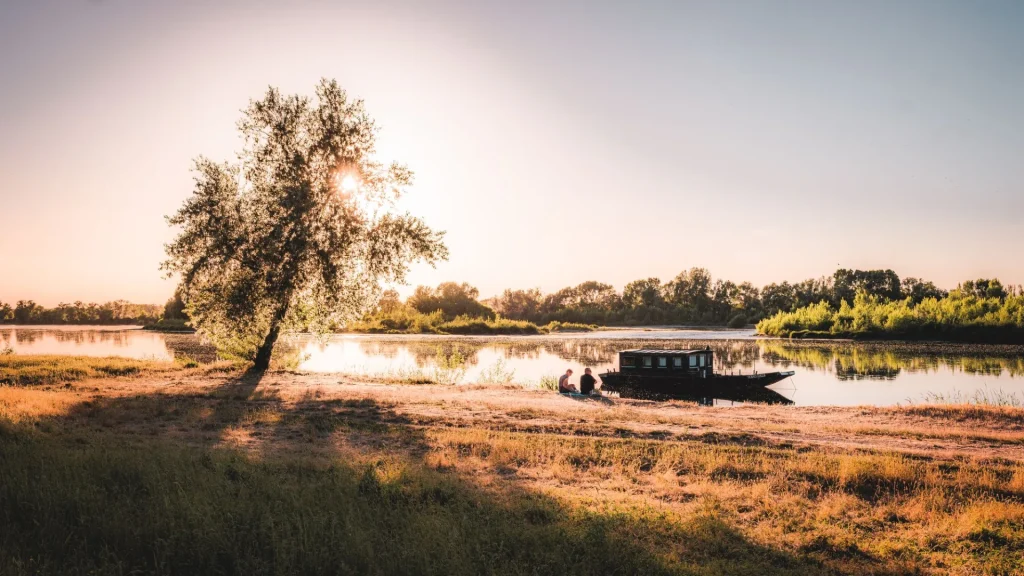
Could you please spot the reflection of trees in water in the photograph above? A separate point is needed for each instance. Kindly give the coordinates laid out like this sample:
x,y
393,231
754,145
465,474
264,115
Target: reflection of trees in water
x,y
521,350
5,335
848,361
885,361
427,353
989,365
423,352
736,355
23,337
117,338
585,352
387,350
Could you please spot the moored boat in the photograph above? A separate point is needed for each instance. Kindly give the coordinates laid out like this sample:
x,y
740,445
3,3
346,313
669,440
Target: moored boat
x,y
681,373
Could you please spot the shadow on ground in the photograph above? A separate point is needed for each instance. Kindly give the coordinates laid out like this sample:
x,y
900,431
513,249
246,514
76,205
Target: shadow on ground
x,y
238,481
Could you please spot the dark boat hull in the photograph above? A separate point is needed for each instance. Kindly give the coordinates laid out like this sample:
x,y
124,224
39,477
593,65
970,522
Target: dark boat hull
x,y
724,386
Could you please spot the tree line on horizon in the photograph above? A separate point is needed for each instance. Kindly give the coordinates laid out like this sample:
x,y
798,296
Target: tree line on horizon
x,y
114,312
692,297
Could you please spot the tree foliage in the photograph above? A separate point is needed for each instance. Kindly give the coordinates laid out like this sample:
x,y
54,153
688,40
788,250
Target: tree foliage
x,y
451,299
300,232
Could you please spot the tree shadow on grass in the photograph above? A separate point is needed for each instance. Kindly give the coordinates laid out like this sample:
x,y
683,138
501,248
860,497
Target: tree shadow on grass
x,y
145,484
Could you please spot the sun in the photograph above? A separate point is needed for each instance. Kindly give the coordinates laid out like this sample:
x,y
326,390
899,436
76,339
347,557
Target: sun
x,y
349,183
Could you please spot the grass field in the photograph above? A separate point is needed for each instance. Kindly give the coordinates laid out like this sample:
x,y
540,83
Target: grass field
x,y
189,470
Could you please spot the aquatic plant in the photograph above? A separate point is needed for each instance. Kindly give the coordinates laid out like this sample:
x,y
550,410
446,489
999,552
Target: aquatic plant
x,y
548,383
498,373
980,397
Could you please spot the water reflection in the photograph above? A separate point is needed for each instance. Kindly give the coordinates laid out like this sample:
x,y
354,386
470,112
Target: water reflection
x,y
871,361
852,361
126,341
827,373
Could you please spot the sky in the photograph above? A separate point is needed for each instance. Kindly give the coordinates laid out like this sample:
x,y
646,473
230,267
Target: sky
x,y
554,142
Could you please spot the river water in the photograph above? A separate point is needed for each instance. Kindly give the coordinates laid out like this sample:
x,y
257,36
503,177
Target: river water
x,y
827,373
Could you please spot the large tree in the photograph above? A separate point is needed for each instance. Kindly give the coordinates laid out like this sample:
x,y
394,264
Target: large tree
x,y
300,231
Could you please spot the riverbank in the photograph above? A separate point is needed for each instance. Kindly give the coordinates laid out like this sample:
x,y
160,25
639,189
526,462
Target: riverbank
x,y
195,470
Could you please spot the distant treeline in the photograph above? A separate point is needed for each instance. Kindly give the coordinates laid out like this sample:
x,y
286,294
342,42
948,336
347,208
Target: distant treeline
x,y
693,297
116,312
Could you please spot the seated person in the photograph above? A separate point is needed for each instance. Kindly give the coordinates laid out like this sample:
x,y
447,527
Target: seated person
x,y
587,382
564,387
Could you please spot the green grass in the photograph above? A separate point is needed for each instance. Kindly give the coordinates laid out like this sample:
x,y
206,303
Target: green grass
x,y
29,370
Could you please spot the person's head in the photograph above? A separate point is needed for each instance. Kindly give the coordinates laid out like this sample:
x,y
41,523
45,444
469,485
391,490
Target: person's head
x,y
586,371
568,372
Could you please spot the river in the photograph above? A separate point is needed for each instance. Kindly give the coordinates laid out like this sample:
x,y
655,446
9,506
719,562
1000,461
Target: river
x,y
827,373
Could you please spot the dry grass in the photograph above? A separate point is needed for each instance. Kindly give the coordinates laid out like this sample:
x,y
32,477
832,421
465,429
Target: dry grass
x,y
298,473
37,370
20,370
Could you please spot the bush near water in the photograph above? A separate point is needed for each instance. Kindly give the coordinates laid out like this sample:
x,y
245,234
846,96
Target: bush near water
x,y
960,316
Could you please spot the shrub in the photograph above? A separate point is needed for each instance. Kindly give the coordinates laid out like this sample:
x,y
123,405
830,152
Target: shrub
x,y
957,317
557,326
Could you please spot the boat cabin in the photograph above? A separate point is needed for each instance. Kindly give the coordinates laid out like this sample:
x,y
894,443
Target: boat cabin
x,y
651,362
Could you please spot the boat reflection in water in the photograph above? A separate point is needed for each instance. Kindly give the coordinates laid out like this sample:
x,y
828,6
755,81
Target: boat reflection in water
x,y
751,396
709,397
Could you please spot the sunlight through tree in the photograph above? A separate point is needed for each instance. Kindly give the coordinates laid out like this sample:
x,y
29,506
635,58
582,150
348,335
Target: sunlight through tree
x,y
300,231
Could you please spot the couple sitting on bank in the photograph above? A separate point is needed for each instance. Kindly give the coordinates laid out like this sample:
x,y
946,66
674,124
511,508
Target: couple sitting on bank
x,y
587,382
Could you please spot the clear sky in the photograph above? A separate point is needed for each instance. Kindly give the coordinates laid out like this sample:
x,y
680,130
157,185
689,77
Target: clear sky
x,y
556,142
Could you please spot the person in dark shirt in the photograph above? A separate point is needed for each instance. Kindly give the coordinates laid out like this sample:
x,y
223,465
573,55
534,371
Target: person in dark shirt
x,y
587,382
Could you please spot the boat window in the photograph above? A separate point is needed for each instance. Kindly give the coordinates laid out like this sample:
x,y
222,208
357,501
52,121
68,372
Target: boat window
x,y
662,362
628,361
647,361
677,362
693,361
703,357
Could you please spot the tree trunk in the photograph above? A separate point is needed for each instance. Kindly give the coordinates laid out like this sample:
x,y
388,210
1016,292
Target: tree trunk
x,y
262,361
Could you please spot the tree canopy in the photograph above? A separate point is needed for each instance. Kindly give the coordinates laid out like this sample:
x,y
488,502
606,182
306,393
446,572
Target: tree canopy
x,y
300,231
452,299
